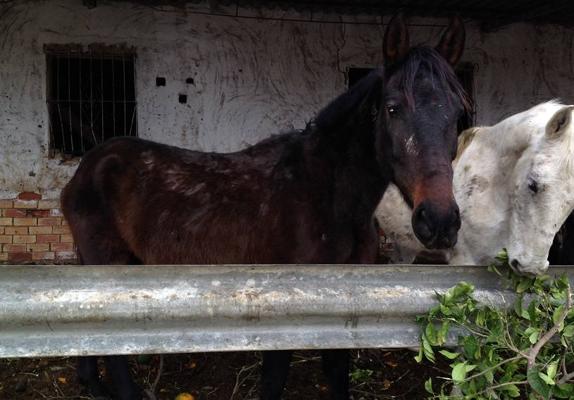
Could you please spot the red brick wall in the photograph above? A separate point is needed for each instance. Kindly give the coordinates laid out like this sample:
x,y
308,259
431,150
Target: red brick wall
x,y
33,229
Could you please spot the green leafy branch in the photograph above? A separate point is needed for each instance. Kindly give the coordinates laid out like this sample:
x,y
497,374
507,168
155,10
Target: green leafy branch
x,y
524,352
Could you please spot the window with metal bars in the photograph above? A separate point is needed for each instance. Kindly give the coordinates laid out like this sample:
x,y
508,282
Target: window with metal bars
x,y
91,96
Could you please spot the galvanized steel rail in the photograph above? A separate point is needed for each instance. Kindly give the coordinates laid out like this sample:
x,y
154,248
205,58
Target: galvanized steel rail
x,y
81,310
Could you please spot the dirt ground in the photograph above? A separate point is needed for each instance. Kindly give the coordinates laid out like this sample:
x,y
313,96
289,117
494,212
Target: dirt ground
x,y
375,374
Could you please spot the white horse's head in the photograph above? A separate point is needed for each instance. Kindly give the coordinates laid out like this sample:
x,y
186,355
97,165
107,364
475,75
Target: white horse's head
x,y
542,188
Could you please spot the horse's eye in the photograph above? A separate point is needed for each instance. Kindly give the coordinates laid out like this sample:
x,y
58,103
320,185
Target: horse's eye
x,y
392,109
533,186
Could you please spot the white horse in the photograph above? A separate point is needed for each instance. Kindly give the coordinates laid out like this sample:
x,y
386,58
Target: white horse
x,y
514,184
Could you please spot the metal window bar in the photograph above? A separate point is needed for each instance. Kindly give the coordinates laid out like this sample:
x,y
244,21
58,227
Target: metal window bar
x,y
74,76
96,310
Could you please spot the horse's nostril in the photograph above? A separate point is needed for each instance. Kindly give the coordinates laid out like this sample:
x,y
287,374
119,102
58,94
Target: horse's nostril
x,y
515,264
422,226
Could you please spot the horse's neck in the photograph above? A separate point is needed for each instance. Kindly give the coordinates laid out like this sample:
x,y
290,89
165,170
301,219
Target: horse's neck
x,y
350,170
344,143
483,177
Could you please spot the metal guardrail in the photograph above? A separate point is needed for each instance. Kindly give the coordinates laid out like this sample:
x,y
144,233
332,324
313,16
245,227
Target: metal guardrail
x,y
82,310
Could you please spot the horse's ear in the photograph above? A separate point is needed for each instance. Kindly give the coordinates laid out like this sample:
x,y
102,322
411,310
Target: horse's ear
x,y
396,40
559,122
451,44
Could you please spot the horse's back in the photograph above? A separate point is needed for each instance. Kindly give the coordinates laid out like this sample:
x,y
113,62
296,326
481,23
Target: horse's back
x,y
170,205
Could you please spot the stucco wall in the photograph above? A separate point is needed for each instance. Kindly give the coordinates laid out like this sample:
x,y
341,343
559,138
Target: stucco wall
x,y
252,77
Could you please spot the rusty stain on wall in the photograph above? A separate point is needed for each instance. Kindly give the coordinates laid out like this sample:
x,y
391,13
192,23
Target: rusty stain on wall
x,y
250,78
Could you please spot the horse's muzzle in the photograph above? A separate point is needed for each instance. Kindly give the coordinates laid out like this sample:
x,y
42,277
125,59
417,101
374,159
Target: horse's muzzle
x,y
436,227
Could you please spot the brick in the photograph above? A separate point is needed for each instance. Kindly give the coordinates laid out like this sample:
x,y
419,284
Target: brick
x,y
29,204
6,221
38,247
65,255
19,257
50,221
61,247
14,248
5,238
2,228
66,238
48,238
40,213
43,255
16,230
3,256
13,212
61,229
40,230
6,204
29,196
48,204
24,239
25,221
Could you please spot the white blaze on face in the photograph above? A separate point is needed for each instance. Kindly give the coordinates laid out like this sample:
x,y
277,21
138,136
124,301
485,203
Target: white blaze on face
x,y
411,146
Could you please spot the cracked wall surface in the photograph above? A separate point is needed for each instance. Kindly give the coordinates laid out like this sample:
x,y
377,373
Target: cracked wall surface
x,y
250,77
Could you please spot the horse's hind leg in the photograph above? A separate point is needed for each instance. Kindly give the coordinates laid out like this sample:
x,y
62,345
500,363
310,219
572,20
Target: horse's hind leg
x,y
274,373
336,368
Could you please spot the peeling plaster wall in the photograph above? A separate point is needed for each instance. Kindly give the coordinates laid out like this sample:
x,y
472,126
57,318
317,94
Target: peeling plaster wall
x,y
252,77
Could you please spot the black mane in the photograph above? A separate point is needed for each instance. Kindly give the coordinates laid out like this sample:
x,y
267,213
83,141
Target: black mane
x,y
340,110
427,57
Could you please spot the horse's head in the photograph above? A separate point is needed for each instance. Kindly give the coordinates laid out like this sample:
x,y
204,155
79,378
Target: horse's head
x,y
542,189
422,101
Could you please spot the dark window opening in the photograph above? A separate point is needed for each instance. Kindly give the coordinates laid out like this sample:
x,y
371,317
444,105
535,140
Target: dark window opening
x,y
91,97
354,75
464,73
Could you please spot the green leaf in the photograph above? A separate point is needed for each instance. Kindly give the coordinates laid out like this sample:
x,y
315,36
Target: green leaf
x,y
568,331
511,390
419,357
557,315
430,333
546,379
564,391
459,372
533,338
427,350
489,376
442,332
470,346
536,382
428,386
502,256
449,355
552,369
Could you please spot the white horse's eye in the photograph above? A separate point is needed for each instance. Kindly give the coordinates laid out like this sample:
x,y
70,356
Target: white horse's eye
x,y
533,186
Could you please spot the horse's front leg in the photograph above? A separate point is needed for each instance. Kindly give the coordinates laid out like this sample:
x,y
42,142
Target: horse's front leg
x,y
336,369
89,377
274,373
336,362
124,386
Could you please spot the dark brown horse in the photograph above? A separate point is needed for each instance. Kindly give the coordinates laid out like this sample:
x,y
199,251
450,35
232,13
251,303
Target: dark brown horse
x,y
302,197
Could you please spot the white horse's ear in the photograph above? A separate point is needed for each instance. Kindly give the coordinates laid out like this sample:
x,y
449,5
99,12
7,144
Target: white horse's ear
x,y
559,122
